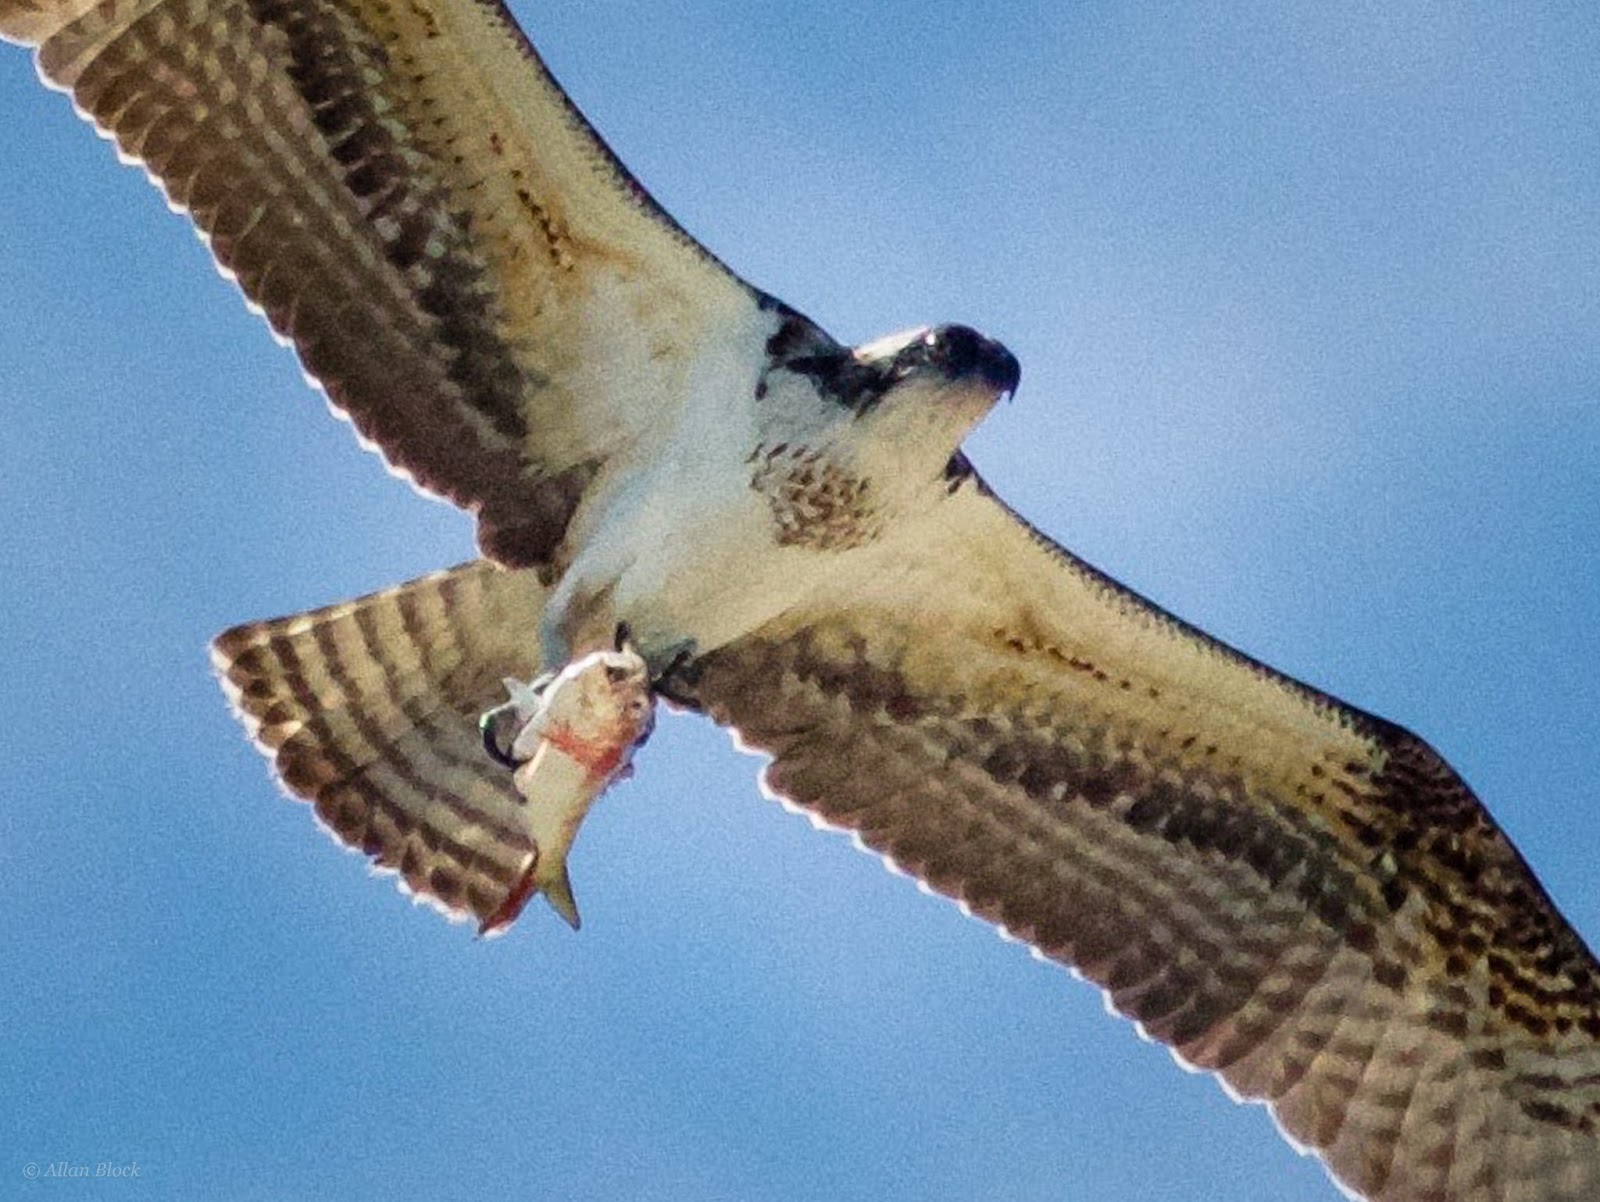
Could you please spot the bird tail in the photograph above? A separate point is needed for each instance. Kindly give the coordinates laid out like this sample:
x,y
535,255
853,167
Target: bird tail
x,y
368,710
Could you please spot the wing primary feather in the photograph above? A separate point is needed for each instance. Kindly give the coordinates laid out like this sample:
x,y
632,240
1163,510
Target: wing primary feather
x,y
419,210
1291,893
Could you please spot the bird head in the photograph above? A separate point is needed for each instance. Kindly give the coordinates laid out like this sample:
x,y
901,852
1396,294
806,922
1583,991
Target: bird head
x,y
910,398
923,390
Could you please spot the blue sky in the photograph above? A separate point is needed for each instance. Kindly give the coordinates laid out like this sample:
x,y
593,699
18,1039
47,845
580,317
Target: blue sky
x,y
1308,304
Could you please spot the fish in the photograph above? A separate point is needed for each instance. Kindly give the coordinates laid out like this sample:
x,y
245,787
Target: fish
x,y
566,738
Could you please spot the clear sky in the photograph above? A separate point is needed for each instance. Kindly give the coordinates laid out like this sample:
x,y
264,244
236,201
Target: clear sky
x,y
1307,298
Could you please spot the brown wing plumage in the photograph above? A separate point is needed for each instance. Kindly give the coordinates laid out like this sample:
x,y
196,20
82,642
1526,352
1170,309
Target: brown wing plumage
x,y
415,205
1299,897
368,710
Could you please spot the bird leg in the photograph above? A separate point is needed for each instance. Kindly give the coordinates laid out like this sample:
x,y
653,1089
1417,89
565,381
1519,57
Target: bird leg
x,y
566,737
678,674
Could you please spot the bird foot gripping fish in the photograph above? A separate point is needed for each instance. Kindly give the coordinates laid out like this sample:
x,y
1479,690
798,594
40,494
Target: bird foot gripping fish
x,y
567,738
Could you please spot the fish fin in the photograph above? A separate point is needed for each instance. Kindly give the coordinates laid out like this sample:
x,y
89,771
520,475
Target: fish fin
x,y
559,894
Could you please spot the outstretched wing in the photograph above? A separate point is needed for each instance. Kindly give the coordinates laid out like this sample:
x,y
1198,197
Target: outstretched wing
x,y
413,202
1295,895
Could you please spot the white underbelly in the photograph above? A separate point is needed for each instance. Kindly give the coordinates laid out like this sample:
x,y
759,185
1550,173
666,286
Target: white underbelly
x,y
715,579
684,557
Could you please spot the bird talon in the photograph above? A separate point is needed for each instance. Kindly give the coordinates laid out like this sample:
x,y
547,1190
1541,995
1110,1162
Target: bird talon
x,y
491,725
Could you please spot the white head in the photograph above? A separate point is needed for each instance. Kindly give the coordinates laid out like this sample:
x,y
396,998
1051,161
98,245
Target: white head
x,y
908,399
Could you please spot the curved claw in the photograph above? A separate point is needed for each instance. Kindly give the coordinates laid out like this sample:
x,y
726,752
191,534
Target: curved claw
x,y
678,675
487,730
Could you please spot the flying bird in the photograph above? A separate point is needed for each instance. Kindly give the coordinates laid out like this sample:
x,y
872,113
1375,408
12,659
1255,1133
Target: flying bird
x,y
1291,893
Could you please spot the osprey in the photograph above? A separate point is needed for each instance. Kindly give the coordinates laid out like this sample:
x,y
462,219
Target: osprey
x,y
1290,893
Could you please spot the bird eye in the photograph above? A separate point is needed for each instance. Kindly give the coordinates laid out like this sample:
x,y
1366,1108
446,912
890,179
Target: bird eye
x,y
498,729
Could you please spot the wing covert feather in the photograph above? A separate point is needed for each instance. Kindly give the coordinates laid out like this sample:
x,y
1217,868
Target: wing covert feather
x,y
1297,896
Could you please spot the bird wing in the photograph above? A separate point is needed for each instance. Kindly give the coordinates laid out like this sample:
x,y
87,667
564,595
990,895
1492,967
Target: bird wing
x,y
412,201
1290,893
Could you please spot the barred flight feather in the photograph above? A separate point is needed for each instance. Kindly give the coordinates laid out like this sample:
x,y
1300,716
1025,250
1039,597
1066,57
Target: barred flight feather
x,y
368,710
1288,892
456,257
